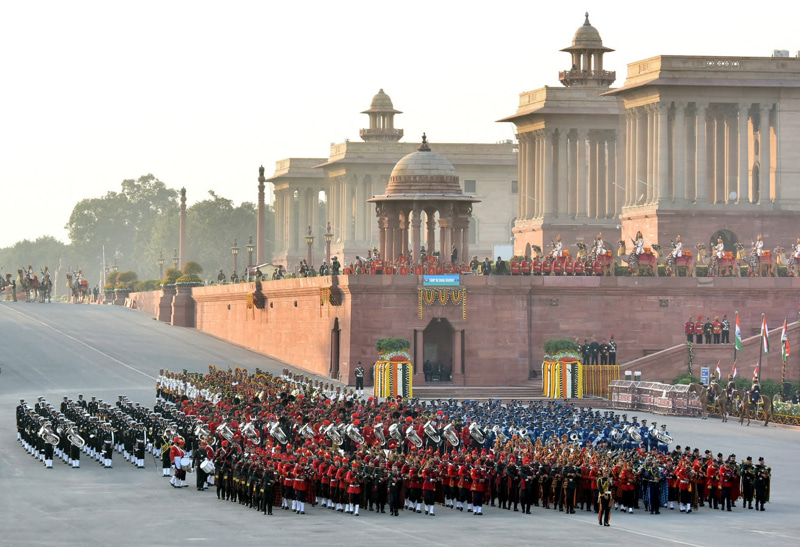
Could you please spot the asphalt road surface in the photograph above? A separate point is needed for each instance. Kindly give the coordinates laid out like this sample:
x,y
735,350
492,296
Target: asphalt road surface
x,y
54,350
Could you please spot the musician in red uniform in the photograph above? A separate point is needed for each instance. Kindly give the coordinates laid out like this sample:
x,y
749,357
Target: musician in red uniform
x,y
684,476
353,480
627,483
324,480
288,483
464,484
727,476
478,487
430,476
415,483
712,483
688,329
175,454
341,484
300,486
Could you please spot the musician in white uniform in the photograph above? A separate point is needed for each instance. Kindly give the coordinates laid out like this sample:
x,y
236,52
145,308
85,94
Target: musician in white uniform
x,y
599,246
558,250
759,247
638,244
719,248
677,252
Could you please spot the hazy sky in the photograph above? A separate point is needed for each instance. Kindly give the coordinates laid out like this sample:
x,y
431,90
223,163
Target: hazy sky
x,y
202,93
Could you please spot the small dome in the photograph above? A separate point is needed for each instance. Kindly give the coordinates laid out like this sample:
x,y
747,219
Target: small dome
x,y
381,101
586,36
423,172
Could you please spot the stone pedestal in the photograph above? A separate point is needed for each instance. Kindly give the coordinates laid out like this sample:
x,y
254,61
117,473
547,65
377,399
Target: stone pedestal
x,y
183,307
164,311
120,296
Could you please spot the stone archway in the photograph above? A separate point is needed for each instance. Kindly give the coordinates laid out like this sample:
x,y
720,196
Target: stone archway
x,y
437,344
728,238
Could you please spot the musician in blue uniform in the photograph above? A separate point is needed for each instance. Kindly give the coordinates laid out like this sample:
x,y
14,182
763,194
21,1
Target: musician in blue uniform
x,y
663,447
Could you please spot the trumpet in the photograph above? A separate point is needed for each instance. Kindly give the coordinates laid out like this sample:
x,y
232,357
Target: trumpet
x,y
451,436
476,433
411,435
379,434
430,431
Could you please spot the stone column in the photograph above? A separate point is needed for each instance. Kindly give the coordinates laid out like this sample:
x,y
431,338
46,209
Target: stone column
x,y
416,221
765,156
261,229
572,173
550,193
679,154
582,178
640,183
381,232
650,173
430,221
530,177
361,201
457,355
744,159
664,193
419,357
602,178
291,216
591,210
630,157
521,176
701,149
182,258
561,178
613,178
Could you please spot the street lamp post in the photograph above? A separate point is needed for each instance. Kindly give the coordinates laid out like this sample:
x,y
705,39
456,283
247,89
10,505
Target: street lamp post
x,y
115,267
310,243
235,253
161,264
328,237
175,258
250,249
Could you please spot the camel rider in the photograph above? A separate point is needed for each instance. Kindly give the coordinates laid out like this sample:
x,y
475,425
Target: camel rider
x,y
759,246
638,244
558,248
599,246
719,248
731,387
79,277
30,272
755,392
796,250
677,251
46,273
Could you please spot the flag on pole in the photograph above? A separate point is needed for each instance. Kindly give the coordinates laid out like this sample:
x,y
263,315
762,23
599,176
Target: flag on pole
x,y
765,334
755,372
733,372
784,343
719,372
738,340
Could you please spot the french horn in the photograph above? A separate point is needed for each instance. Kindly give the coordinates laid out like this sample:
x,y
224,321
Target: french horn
x,y
451,435
430,431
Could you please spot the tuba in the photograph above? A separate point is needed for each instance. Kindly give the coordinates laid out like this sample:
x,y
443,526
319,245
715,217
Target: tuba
x,y
201,431
662,437
616,434
379,434
74,438
48,436
499,435
333,434
451,436
523,432
278,433
411,435
574,437
352,432
395,433
225,431
476,433
306,432
633,433
430,431
250,432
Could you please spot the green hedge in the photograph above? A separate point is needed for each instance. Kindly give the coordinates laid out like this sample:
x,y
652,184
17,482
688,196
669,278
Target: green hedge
x,y
554,345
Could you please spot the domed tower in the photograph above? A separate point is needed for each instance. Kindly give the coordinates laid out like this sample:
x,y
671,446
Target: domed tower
x,y
381,120
587,60
423,184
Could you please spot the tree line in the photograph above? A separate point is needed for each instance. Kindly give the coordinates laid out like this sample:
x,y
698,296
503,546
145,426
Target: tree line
x,y
138,223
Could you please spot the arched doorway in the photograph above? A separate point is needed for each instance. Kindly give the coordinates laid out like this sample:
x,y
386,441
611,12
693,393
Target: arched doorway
x,y
728,238
437,350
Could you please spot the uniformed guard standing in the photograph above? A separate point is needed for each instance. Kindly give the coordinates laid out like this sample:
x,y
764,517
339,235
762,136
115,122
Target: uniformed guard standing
x,y
612,351
359,380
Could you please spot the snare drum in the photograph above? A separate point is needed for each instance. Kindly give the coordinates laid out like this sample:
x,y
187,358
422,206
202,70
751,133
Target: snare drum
x,y
207,466
186,464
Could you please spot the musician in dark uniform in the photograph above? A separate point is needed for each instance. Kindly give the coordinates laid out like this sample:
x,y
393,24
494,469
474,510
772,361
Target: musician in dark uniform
x,y
571,476
708,329
267,487
359,372
604,486
612,351
748,475
762,483
393,488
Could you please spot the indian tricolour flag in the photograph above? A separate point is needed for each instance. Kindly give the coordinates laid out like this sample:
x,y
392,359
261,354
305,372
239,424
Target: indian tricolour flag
x,y
738,340
765,334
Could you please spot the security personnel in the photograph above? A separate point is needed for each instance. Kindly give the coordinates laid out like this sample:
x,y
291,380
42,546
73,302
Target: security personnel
x,y
726,330
716,328
359,372
688,329
698,330
612,351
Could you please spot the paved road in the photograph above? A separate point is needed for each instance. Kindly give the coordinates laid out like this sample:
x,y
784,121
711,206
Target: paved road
x,y
61,349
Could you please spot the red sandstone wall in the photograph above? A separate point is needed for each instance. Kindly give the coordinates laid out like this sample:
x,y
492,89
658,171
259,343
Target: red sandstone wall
x,y
497,334
147,301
